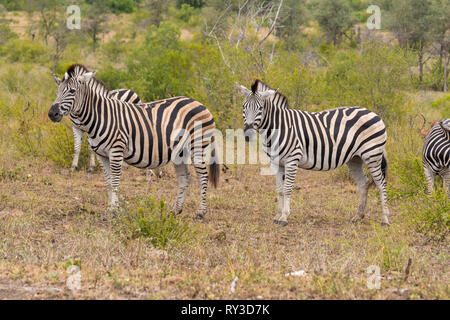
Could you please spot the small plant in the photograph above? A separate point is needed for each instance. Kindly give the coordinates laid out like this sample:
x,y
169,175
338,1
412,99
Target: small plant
x,y
430,214
12,174
150,219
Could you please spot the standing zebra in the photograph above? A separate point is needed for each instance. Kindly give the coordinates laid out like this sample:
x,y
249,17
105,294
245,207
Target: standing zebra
x,y
436,155
148,135
120,94
316,141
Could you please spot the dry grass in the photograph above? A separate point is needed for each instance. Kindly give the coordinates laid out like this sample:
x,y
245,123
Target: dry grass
x,y
50,218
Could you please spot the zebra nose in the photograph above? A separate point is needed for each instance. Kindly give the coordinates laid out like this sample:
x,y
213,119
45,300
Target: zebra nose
x,y
54,114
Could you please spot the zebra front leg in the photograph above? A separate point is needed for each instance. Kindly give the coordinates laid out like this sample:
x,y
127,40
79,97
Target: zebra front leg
x,y
429,177
91,160
355,167
115,164
78,139
183,175
279,174
290,173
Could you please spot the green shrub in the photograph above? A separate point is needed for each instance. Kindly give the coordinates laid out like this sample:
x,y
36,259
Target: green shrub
x,y
430,214
443,105
5,35
150,219
25,51
119,6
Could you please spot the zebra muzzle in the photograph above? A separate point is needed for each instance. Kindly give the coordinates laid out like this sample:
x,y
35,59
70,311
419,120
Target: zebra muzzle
x,y
54,114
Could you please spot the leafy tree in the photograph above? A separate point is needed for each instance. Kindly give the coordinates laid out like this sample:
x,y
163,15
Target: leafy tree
x,y
292,16
192,3
410,20
157,9
119,6
162,66
335,18
94,21
440,34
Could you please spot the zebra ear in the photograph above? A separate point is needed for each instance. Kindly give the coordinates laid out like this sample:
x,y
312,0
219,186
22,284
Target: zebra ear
x,y
445,124
243,90
86,77
267,94
56,79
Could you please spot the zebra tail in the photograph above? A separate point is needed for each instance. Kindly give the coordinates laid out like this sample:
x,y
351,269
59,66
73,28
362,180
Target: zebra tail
x,y
214,168
384,165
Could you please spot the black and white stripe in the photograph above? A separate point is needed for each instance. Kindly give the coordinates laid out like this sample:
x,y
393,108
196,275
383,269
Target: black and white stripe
x,y
148,135
436,155
316,141
120,94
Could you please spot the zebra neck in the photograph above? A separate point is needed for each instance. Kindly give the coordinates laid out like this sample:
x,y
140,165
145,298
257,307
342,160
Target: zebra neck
x,y
92,105
275,118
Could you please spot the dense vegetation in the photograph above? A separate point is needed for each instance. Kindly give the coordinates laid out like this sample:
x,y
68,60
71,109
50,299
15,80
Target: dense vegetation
x,y
320,54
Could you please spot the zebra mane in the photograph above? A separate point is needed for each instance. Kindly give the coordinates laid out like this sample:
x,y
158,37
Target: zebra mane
x,y
280,99
79,69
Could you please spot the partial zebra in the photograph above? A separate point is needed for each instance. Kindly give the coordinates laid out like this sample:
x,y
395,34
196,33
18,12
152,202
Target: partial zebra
x,y
148,135
316,141
120,94
436,155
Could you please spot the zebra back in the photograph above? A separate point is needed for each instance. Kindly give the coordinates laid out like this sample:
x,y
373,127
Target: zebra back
x,y
125,95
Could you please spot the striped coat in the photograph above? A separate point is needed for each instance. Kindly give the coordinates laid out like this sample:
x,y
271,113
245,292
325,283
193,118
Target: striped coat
x,y
147,135
436,154
316,141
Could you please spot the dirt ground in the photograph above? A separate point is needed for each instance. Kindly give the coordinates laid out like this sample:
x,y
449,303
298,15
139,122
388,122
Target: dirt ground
x,y
49,216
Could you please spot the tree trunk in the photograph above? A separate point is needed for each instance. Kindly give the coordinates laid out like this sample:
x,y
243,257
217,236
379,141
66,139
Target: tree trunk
x,y
420,65
446,61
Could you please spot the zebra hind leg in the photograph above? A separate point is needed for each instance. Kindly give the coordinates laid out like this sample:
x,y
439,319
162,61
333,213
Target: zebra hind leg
x,y
355,167
375,168
446,181
184,179
202,177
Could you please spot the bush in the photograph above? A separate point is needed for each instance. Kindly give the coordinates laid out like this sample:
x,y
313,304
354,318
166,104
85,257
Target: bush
x,y
430,214
443,105
119,6
25,51
150,219
5,35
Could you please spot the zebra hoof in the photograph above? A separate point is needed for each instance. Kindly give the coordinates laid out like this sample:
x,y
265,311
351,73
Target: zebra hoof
x,y
175,212
276,221
199,216
356,219
73,169
385,224
282,223
90,170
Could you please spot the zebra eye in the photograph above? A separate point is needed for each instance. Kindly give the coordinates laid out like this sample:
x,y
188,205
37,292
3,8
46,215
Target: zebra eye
x,y
72,90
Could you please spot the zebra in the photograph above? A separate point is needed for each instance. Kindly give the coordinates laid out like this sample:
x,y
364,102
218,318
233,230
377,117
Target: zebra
x,y
316,141
149,135
120,94
436,155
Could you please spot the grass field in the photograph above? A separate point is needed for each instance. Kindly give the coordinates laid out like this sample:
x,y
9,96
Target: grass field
x,y
52,218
